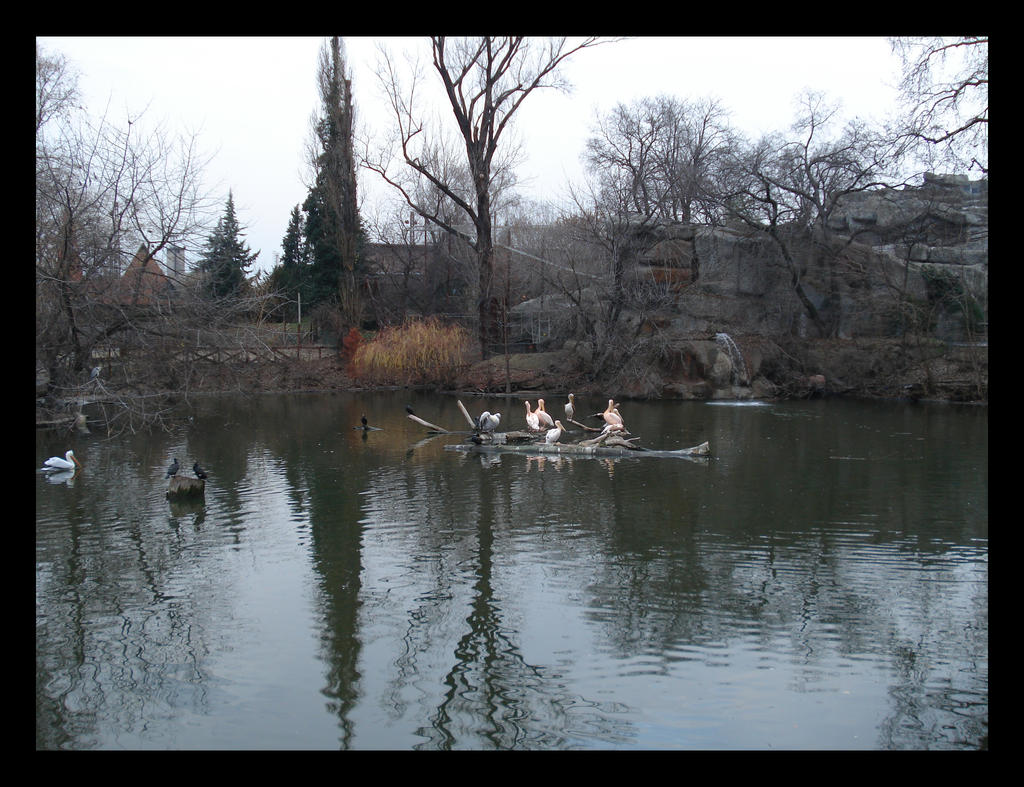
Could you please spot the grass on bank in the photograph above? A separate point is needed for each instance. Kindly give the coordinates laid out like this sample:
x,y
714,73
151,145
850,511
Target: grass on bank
x,y
418,352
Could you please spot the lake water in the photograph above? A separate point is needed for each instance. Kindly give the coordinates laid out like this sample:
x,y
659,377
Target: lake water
x,y
819,582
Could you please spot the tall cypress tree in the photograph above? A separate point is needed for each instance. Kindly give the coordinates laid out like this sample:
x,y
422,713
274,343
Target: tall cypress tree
x,y
227,257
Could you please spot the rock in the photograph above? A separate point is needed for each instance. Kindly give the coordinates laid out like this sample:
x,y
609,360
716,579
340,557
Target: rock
x,y
183,486
721,372
529,370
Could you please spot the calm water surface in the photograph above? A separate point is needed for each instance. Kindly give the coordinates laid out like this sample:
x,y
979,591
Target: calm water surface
x,y
821,582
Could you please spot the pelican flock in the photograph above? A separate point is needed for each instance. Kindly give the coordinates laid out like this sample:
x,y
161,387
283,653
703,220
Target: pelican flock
x,y
539,420
69,462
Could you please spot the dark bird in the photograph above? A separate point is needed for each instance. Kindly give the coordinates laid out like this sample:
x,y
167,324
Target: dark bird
x,y
408,409
363,419
200,473
173,469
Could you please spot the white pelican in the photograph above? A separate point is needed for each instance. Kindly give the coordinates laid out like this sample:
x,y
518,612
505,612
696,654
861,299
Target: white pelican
x,y
612,418
546,421
173,469
554,435
532,422
488,422
67,463
570,408
200,473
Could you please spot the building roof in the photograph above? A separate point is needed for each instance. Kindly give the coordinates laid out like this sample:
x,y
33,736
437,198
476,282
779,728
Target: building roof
x,y
143,282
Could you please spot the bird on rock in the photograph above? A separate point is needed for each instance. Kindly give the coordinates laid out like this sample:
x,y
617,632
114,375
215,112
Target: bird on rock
x,y
554,435
200,473
173,469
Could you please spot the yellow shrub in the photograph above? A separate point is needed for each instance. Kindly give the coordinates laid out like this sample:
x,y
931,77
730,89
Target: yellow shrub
x,y
418,352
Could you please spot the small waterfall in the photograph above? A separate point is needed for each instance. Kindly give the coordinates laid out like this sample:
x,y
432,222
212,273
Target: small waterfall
x,y
739,365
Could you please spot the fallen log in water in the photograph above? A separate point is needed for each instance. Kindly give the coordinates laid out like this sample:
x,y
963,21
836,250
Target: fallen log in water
x,y
701,451
183,486
440,429
427,424
615,443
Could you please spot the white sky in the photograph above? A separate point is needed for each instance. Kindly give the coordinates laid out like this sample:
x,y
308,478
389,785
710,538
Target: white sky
x,y
250,99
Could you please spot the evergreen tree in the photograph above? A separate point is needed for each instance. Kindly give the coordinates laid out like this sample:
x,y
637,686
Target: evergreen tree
x,y
227,257
293,248
324,256
291,277
332,215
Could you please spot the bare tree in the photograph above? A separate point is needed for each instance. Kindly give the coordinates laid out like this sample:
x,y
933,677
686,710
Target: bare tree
x,y
657,156
485,80
945,91
56,87
787,189
103,192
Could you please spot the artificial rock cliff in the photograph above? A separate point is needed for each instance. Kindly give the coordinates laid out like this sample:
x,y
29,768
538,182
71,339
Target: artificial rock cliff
x,y
901,276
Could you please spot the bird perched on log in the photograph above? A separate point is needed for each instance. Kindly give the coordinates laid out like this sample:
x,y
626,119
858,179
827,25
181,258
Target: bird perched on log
x,y
488,422
200,473
554,435
570,408
532,422
408,409
546,421
173,469
363,420
612,418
